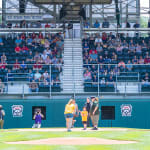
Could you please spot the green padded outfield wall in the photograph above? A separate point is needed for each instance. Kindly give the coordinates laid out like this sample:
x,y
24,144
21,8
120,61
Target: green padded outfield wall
x,y
128,113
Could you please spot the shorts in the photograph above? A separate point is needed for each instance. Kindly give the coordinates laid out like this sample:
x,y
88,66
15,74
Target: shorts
x,y
95,119
69,115
84,122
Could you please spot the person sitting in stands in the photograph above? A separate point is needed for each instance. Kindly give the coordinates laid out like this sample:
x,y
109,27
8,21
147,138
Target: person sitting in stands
x,y
110,80
87,75
93,55
96,24
136,25
29,40
147,60
33,87
18,41
141,60
37,66
1,41
23,66
16,65
17,49
129,66
3,58
121,64
105,24
25,49
3,64
37,75
9,25
47,25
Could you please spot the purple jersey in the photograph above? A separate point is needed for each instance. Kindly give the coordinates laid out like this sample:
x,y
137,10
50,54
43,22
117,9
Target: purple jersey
x,y
38,119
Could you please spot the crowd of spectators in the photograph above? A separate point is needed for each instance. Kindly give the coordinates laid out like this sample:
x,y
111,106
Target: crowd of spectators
x,y
115,53
31,55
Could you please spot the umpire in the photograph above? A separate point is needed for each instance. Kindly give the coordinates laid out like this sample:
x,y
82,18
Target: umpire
x,y
2,114
94,112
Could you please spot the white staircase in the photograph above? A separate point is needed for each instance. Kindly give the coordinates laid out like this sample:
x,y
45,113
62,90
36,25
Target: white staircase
x,y
129,87
73,66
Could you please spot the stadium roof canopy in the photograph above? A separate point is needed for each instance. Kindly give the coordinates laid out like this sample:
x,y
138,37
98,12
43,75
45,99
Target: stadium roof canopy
x,y
73,1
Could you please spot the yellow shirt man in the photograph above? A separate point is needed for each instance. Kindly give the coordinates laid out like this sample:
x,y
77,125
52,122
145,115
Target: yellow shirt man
x,y
69,109
84,115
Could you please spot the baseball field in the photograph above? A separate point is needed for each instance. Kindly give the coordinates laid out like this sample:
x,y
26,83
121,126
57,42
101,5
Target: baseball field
x,y
59,139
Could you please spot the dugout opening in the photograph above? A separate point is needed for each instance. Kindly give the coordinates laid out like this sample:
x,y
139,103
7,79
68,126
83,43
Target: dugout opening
x,y
107,112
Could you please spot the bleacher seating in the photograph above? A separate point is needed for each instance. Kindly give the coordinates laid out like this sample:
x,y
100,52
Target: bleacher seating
x,y
119,56
23,55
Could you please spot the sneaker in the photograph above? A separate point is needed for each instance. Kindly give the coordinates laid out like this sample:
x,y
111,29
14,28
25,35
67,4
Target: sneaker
x,y
94,128
69,130
84,129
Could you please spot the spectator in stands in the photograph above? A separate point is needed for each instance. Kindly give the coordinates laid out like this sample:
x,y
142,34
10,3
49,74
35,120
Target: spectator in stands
x,y
54,60
70,29
1,41
38,24
23,24
94,79
44,56
9,25
129,66
47,25
98,40
86,24
18,41
128,25
87,75
37,75
2,65
147,60
102,81
141,60
16,65
48,60
25,49
17,48
3,58
33,87
96,24
23,66
110,80
53,24
37,65
121,65
136,25
2,86
105,24
138,49
29,40
45,74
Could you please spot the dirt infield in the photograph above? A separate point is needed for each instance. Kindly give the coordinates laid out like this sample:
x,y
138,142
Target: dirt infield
x,y
73,141
74,129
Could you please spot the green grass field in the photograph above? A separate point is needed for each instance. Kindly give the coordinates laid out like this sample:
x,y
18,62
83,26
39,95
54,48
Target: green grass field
x,y
139,135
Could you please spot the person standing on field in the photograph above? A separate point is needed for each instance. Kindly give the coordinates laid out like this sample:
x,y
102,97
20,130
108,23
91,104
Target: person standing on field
x,y
88,106
2,114
94,112
76,113
69,111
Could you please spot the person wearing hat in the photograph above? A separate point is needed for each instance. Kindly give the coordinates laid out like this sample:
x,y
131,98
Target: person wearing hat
x,y
94,112
2,114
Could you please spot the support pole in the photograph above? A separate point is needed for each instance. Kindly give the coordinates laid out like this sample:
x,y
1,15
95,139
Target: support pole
x,y
90,11
4,11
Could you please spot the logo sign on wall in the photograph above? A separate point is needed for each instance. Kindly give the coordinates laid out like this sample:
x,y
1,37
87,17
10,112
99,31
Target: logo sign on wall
x,y
126,110
17,110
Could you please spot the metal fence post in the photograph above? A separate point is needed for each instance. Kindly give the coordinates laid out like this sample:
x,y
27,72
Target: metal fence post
x,y
98,80
50,84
